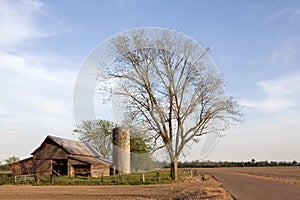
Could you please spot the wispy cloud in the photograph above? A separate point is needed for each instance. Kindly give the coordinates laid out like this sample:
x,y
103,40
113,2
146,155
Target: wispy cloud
x,y
285,52
280,94
290,12
271,126
31,88
17,22
36,89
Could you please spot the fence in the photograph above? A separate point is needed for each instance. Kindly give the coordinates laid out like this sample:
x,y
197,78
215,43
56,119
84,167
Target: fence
x,y
153,177
132,179
25,178
160,176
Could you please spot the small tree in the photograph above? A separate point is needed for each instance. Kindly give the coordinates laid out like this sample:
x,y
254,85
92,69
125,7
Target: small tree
x,y
10,160
98,133
174,92
140,157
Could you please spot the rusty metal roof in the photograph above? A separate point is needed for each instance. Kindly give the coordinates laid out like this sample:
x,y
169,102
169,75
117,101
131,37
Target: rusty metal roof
x,y
91,160
23,160
74,147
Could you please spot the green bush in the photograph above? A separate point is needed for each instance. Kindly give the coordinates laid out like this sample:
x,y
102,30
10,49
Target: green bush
x,y
6,178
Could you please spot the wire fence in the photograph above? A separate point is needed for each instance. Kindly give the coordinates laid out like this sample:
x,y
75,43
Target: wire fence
x,y
154,177
130,179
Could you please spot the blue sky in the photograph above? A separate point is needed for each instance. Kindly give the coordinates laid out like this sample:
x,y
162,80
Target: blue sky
x,y
255,45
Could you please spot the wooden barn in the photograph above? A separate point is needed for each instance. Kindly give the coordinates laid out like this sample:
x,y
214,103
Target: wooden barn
x,y
58,156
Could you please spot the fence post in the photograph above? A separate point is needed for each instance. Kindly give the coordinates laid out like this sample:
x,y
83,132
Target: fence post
x,y
119,178
51,178
143,178
158,177
2,175
37,178
102,179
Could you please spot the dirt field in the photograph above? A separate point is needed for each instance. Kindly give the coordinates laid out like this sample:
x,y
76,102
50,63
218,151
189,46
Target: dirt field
x,y
282,174
239,181
188,189
270,183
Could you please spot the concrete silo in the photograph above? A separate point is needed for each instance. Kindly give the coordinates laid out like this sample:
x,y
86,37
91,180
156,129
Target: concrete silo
x,y
121,150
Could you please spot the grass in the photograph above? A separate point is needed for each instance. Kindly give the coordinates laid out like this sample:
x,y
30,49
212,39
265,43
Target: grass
x,y
5,172
6,177
153,177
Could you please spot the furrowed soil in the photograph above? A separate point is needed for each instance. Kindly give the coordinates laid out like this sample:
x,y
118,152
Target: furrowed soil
x,y
268,183
289,175
189,188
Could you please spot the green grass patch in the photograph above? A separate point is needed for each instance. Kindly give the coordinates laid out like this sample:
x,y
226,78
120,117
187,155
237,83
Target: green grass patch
x,y
6,178
153,177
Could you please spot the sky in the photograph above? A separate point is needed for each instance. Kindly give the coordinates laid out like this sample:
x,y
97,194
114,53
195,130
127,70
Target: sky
x,y
255,45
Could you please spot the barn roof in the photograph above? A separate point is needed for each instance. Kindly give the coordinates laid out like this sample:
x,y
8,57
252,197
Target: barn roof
x,y
73,147
91,160
23,160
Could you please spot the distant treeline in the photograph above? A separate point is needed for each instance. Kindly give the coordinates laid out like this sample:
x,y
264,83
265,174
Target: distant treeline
x,y
5,167
208,164
252,163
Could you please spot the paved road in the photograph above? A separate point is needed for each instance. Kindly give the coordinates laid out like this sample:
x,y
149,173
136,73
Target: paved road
x,y
249,188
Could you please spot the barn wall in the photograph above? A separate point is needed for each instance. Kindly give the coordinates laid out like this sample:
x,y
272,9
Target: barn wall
x,y
94,170
72,169
76,162
42,167
50,150
98,170
23,167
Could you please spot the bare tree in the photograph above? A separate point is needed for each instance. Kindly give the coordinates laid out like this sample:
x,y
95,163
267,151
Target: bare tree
x,y
173,89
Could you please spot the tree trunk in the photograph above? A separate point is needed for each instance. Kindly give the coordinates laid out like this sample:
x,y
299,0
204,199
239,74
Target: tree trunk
x,y
174,169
